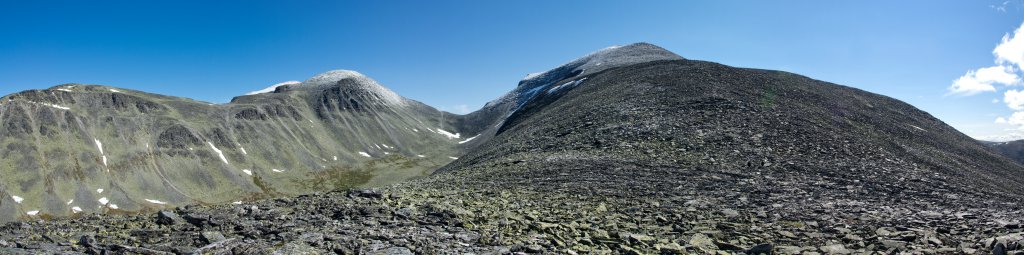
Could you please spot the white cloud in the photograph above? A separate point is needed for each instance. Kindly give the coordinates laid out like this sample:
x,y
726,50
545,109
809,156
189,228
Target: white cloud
x,y
1009,55
995,100
998,74
1000,120
1014,99
1016,119
983,79
969,85
1011,48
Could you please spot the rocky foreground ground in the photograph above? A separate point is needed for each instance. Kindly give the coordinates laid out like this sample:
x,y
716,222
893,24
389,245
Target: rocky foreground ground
x,y
602,213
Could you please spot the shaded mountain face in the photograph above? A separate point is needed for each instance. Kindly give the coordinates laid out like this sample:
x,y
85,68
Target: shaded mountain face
x,y
1013,149
492,117
758,126
75,149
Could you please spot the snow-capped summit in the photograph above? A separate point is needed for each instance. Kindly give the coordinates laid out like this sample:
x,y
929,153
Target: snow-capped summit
x,y
272,87
333,76
600,60
352,80
562,77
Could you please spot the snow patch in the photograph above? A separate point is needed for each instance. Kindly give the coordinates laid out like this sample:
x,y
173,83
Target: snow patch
x,y
112,206
247,171
421,156
364,154
237,202
277,170
272,87
153,201
331,78
58,106
32,213
71,201
448,134
532,75
470,139
243,151
76,209
103,200
453,158
115,91
918,128
99,145
219,153
335,158
99,191
17,199
570,84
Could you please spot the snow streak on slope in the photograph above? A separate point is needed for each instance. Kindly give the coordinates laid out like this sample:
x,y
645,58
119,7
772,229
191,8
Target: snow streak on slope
x,y
272,87
104,155
534,84
219,153
449,134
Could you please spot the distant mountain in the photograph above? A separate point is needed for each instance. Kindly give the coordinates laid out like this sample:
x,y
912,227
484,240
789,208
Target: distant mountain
x,y
1011,149
85,148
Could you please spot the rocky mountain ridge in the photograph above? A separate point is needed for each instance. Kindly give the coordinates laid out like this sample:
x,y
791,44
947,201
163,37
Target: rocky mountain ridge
x,y
76,148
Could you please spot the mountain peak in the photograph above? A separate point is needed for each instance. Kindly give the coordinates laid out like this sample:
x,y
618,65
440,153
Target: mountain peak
x,y
332,77
610,57
352,80
535,84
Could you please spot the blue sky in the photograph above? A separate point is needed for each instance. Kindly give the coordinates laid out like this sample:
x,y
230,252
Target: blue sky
x,y
457,55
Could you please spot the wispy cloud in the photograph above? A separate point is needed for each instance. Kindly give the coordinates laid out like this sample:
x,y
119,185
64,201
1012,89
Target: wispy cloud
x,y
1000,7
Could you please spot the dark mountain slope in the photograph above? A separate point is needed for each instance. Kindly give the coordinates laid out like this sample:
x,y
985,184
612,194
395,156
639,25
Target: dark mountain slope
x,y
1013,149
491,117
741,121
